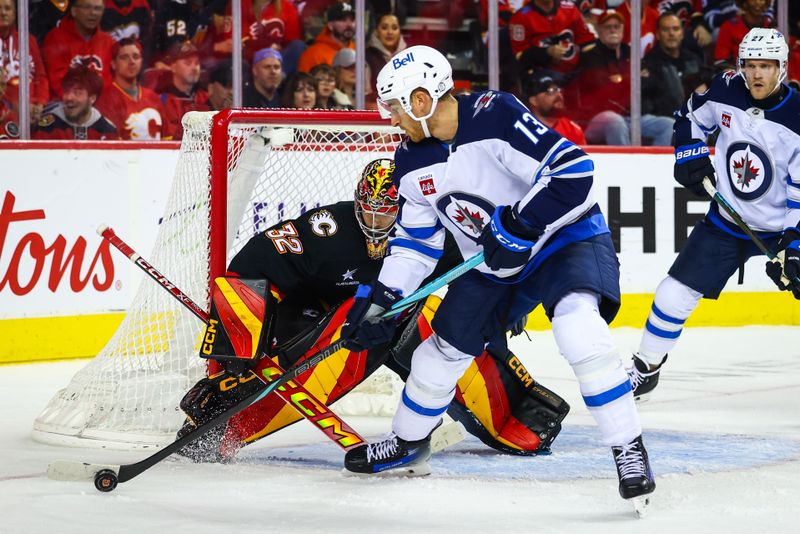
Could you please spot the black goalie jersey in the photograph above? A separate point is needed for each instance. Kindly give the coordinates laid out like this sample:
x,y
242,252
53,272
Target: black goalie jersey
x,y
321,254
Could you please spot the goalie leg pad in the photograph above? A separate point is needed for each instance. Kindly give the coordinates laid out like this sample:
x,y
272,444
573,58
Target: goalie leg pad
x,y
240,324
499,402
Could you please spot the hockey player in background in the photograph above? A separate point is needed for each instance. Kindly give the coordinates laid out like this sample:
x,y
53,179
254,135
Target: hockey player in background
x,y
756,168
313,263
484,168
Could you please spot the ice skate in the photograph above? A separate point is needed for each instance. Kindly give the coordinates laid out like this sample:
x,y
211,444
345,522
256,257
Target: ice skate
x,y
392,456
636,481
643,379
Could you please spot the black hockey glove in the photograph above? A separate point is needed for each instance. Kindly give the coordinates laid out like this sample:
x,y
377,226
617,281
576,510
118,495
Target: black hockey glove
x,y
692,164
507,240
364,326
789,245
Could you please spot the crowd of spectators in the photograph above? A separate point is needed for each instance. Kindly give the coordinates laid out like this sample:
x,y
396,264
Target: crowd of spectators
x,y
130,69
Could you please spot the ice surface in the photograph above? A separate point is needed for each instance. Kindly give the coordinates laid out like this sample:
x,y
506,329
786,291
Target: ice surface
x,y
722,429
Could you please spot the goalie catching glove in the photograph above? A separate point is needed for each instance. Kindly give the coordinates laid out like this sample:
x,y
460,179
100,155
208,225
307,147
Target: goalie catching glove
x,y
784,276
364,326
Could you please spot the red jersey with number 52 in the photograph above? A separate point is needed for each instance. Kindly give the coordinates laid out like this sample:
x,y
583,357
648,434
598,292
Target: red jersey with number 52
x,y
564,25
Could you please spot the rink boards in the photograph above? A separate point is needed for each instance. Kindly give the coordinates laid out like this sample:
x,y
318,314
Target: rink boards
x,y
62,292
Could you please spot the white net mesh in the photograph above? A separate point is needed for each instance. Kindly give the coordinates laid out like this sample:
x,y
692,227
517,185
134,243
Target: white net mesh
x,y
127,397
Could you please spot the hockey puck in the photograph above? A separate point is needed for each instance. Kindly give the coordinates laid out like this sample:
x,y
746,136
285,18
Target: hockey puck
x,y
105,480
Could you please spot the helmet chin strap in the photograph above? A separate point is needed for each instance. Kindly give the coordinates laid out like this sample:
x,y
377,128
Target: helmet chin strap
x,y
423,121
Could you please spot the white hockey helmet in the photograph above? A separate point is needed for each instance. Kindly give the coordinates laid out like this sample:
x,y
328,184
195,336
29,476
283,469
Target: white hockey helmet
x,y
413,68
765,43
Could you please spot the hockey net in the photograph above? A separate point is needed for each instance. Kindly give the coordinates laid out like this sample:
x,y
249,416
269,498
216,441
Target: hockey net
x,y
238,172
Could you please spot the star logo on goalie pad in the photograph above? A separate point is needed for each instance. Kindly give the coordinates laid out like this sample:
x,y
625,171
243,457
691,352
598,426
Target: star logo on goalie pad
x,y
348,275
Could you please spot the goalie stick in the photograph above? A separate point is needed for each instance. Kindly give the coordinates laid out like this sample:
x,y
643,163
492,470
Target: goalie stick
x,y
712,191
106,477
294,395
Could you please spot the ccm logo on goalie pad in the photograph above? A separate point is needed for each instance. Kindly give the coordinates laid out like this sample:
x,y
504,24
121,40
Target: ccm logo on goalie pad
x,y
211,336
519,370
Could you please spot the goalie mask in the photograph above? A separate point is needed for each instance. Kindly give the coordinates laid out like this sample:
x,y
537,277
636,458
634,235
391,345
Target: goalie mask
x,y
376,205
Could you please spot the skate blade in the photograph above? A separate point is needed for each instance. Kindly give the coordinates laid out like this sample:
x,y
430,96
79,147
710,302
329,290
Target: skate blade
x,y
643,398
411,471
641,505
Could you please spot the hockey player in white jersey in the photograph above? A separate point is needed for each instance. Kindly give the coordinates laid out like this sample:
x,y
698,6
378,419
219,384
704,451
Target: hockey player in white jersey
x,y
484,168
757,170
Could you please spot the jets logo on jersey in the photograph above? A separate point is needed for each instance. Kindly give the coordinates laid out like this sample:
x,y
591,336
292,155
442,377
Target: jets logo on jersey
x,y
469,213
749,170
484,102
323,224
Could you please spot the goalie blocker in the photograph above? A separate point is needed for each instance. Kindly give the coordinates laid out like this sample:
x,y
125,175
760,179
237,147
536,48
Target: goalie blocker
x,y
497,399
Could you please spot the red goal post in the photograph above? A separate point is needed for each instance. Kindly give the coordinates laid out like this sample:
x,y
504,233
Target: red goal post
x,y
238,172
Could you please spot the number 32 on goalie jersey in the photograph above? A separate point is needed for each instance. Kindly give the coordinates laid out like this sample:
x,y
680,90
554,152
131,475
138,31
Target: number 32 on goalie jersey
x,y
285,239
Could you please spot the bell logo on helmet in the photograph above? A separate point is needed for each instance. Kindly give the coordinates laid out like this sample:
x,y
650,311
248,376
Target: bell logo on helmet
x,y
399,62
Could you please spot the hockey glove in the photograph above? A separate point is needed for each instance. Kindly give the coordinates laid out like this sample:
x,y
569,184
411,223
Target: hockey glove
x,y
789,245
364,326
692,164
507,240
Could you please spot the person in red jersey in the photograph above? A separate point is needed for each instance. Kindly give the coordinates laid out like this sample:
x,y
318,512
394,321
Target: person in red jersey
x,y
134,109
75,117
549,34
78,39
9,126
753,14
182,95
9,61
128,18
544,98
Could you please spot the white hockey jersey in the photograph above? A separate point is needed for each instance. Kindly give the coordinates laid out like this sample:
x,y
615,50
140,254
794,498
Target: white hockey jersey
x,y
757,159
501,155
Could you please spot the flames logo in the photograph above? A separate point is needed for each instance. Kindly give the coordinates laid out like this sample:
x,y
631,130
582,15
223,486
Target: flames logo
x,y
323,224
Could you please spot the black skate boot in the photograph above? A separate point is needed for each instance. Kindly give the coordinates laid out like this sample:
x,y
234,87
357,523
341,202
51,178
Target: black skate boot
x,y
401,457
643,379
636,479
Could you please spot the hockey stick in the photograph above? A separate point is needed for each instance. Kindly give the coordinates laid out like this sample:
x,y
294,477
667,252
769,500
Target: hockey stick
x,y
296,395
711,190
106,477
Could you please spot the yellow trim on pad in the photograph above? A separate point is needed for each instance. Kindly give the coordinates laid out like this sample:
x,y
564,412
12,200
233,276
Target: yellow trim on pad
x,y
82,336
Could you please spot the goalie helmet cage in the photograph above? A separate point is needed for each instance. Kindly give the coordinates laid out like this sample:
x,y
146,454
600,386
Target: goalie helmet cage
x,y
238,172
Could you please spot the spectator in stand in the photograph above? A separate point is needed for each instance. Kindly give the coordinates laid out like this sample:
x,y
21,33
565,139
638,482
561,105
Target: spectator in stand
x,y
128,18
135,110
220,85
45,15
78,38
344,65
175,21
337,34
385,41
326,87
753,15
9,62
670,71
697,34
545,99
278,26
716,12
264,90
183,94
75,116
300,91
549,34
9,126
214,37
604,90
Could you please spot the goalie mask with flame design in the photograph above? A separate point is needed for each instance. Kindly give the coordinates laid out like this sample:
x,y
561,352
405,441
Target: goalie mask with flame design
x,y
376,205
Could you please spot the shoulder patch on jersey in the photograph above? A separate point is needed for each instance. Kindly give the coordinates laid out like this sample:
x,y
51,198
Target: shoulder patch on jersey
x,y
484,102
323,224
426,184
